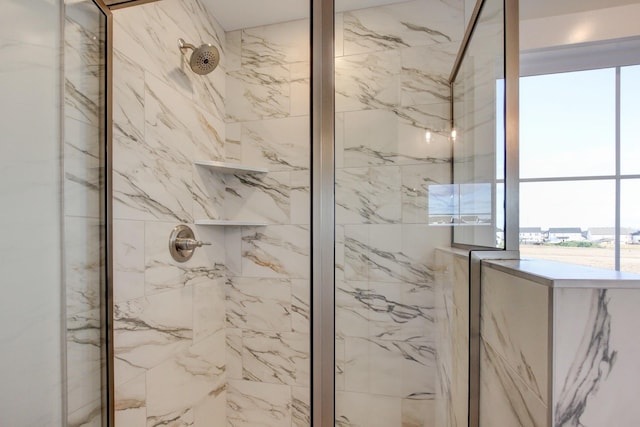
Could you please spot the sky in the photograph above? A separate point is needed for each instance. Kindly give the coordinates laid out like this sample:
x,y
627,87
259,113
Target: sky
x,y
567,129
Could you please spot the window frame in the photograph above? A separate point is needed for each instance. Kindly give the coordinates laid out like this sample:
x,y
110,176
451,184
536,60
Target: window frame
x,y
610,54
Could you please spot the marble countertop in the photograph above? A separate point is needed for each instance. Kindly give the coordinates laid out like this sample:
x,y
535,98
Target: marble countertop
x,y
563,275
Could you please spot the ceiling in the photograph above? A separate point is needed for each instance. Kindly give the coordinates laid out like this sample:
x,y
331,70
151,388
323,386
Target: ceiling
x,y
233,14
236,14
531,9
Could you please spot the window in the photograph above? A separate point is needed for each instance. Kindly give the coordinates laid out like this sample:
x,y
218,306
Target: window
x,y
580,165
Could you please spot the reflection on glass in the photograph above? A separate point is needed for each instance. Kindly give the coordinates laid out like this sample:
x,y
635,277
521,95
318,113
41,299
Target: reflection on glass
x,y
629,123
567,124
571,221
478,163
460,204
84,215
630,225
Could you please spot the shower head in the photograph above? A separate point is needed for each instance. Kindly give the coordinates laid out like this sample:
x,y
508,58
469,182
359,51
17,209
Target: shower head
x,y
204,59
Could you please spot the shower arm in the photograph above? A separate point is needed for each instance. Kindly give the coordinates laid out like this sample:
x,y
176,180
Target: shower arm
x,y
184,45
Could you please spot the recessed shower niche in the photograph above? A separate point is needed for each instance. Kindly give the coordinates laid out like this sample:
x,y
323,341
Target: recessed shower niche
x,y
230,172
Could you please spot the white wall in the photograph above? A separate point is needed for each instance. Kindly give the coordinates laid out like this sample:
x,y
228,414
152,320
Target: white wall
x,y
30,307
590,26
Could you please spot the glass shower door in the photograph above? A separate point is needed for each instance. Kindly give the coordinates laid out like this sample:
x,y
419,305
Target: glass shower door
x,y
52,193
392,104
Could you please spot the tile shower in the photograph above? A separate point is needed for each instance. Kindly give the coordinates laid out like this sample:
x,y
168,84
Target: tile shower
x,y
250,289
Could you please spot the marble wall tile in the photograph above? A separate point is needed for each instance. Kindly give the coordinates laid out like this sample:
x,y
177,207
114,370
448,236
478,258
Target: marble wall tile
x,y
416,180
232,143
413,148
402,368
444,338
208,193
401,311
170,331
417,413
420,252
233,250
301,197
131,402
147,187
252,403
425,74
208,308
385,363
258,197
260,93
340,363
338,34
259,304
83,262
367,81
370,138
205,27
514,322
339,140
368,195
300,305
356,247
504,399
175,121
429,116
300,407
149,35
89,415
82,169
460,332
412,23
280,44
150,330
276,251
357,371
379,137
233,50
128,257
84,361
339,255
596,370
163,273
212,410
234,353
300,91
281,358
353,300
387,253
367,410
82,66
128,98
176,384
279,144
385,257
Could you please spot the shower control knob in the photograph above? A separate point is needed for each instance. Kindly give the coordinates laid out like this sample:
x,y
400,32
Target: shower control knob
x,y
182,243
189,244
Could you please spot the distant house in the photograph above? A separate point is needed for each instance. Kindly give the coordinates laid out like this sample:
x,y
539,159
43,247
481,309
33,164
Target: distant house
x,y
566,234
608,234
635,238
531,235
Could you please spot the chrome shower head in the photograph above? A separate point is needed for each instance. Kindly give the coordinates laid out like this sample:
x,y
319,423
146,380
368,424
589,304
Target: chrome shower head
x,y
204,59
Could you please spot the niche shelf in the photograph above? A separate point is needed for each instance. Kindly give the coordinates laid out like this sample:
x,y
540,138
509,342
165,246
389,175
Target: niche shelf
x,y
229,223
229,168
224,167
